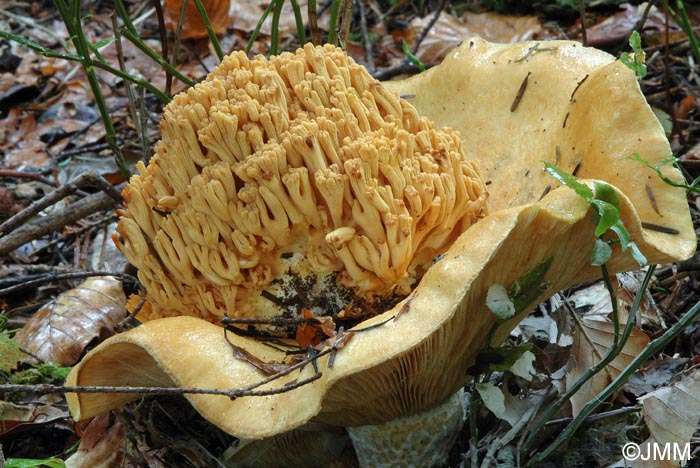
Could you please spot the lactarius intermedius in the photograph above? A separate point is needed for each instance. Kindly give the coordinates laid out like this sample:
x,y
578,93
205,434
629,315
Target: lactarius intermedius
x,y
235,192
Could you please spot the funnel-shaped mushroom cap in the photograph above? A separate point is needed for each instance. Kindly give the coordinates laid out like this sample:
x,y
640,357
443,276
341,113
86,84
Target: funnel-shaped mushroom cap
x,y
578,108
289,182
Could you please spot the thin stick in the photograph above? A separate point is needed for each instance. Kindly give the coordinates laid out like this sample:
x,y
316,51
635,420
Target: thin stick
x,y
53,222
43,389
659,228
163,37
50,278
520,93
431,23
127,86
87,226
596,417
313,22
582,14
26,175
345,23
369,55
86,179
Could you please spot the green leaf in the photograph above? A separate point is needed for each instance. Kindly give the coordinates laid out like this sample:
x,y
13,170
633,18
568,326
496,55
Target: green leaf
x,y
668,160
606,204
637,254
622,234
601,253
626,243
635,59
104,42
529,286
607,217
570,181
412,58
606,192
499,303
31,463
499,359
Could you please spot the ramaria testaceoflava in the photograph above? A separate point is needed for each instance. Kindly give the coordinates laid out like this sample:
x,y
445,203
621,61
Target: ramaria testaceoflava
x,y
289,183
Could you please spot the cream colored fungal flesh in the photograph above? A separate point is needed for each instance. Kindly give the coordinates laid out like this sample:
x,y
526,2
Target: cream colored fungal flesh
x,y
297,181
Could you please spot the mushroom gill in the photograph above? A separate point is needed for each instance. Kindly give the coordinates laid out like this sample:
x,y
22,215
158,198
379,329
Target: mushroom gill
x,y
289,183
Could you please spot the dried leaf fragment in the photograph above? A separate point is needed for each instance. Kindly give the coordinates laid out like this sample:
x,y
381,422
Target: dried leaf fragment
x,y
584,356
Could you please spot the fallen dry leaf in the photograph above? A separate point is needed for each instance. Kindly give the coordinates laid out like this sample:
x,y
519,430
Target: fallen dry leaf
x,y
15,417
672,415
584,356
448,31
656,375
101,445
60,331
267,368
617,27
20,143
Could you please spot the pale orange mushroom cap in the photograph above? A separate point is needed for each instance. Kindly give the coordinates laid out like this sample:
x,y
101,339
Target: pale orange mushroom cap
x,y
294,179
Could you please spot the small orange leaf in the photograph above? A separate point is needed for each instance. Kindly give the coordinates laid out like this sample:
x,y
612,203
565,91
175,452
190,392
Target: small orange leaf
x,y
193,27
307,334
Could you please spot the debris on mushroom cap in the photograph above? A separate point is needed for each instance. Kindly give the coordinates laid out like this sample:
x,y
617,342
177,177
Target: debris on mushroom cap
x,y
282,182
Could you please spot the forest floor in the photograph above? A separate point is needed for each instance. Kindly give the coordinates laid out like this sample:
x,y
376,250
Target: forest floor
x,y
51,132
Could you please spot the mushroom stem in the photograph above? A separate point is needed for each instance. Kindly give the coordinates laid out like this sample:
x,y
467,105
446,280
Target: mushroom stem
x,y
422,439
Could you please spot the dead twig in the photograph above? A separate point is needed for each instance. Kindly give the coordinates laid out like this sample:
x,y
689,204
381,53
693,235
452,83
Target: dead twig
x,y
582,14
313,22
26,175
43,389
54,222
87,179
51,277
431,23
595,417
345,23
586,336
369,55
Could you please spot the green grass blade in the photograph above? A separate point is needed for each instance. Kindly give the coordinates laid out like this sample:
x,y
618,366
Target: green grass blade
x,y
38,48
258,26
136,40
162,97
124,15
333,24
275,30
301,29
210,29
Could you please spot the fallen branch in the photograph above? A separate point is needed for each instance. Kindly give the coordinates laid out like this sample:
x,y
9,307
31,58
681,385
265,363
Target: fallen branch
x,y
54,222
43,389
